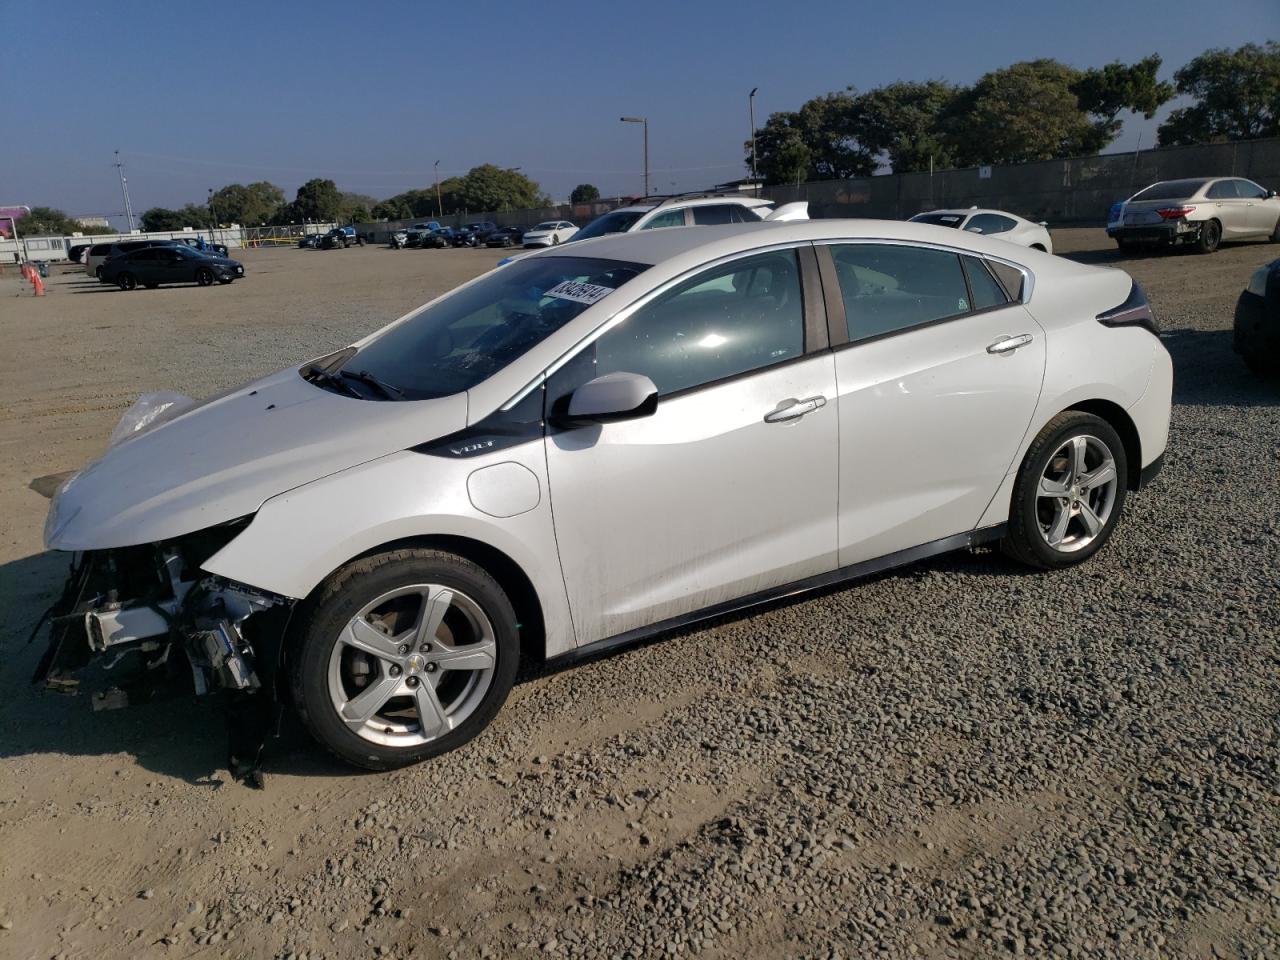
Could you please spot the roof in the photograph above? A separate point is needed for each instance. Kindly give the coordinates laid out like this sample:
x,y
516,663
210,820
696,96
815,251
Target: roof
x,y
658,246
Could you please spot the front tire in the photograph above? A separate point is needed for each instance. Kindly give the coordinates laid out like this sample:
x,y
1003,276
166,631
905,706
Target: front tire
x,y
1069,493
204,276
403,656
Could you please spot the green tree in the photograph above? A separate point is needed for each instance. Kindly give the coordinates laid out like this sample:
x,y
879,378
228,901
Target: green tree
x,y
903,122
318,199
584,193
248,205
781,154
488,187
1106,92
1022,112
49,222
162,218
1236,94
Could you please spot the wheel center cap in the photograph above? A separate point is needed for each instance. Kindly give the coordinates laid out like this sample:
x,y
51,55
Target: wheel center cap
x,y
416,663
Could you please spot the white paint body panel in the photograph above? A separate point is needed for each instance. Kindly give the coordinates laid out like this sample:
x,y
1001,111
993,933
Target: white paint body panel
x,y
702,502
929,425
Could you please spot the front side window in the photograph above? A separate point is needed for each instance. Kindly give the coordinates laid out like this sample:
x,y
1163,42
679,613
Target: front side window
x,y
731,319
671,218
887,288
1248,190
470,335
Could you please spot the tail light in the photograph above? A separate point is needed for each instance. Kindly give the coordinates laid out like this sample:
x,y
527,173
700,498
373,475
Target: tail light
x,y
1134,312
1174,213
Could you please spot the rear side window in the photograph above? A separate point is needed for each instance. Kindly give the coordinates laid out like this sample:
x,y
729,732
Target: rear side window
x,y
1222,190
989,223
888,288
714,214
987,293
731,319
743,214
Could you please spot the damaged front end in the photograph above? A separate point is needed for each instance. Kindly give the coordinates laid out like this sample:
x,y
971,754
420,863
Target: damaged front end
x,y
163,626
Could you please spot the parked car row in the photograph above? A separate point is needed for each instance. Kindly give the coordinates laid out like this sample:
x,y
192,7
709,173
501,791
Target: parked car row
x,y
149,263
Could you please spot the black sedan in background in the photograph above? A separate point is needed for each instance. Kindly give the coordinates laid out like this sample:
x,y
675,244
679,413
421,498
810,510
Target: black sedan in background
x,y
152,266
505,237
1257,321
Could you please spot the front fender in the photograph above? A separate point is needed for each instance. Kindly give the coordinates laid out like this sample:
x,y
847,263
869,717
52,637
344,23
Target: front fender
x,y
297,539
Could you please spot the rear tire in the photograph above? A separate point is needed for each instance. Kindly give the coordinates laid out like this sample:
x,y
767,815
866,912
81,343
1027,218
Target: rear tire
x,y
1069,493
127,281
1210,237
413,707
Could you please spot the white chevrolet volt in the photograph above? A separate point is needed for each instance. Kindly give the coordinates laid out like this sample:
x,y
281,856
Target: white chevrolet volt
x,y
600,442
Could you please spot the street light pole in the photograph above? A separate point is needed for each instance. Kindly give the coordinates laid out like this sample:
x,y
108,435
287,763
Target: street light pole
x,y
439,208
751,108
645,121
213,216
124,188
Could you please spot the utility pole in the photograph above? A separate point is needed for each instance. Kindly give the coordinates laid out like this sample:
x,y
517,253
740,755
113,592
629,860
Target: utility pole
x,y
124,188
645,121
439,208
213,216
751,107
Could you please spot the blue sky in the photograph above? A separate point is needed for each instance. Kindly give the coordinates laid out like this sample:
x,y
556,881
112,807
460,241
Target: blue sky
x,y
197,95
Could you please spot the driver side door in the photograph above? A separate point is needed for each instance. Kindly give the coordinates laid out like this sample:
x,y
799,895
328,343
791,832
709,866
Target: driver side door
x,y
728,487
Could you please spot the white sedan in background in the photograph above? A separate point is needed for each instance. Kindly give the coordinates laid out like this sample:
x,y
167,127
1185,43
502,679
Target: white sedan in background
x,y
549,233
992,223
605,441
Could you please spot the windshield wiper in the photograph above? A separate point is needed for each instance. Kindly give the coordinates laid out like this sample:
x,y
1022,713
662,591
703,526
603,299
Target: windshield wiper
x,y
388,390
317,375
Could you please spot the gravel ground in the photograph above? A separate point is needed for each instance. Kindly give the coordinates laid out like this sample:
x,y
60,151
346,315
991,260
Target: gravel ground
x,y
959,759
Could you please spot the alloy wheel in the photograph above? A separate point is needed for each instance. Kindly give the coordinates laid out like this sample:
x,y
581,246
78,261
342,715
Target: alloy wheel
x,y
1076,493
412,665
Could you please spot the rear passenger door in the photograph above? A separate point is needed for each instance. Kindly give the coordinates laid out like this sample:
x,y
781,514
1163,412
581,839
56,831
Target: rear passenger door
x,y
938,371
1229,209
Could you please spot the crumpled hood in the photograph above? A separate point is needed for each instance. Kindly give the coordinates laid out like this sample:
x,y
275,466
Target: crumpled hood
x,y
224,458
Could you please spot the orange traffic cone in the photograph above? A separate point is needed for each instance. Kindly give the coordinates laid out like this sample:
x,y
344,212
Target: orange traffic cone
x,y
36,283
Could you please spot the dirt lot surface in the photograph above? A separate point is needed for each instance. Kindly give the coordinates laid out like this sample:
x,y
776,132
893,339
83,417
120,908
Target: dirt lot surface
x,y
959,759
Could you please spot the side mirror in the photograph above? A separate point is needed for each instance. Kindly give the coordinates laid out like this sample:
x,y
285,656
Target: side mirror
x,y
1270,194
614,396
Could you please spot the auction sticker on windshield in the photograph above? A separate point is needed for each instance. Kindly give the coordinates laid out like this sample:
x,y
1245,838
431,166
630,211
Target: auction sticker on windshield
x,y
587,293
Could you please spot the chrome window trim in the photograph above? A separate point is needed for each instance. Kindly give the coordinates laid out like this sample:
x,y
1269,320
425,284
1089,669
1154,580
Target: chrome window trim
x,y
625,312
1028,278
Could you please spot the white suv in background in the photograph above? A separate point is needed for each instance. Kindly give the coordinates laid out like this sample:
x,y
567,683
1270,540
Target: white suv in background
x,y
702,210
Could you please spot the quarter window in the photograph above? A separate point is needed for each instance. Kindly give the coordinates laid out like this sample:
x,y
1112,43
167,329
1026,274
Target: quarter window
x,y
729,320
987,293
890,287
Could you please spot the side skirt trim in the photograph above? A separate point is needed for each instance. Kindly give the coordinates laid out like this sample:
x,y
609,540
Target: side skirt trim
x,y
854,571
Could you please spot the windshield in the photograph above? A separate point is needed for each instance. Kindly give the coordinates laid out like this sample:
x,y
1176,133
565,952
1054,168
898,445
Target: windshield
x,y
1170,190
546,226
939,219
619,221
456,343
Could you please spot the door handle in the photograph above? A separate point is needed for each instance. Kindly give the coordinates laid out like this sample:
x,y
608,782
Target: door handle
x,y
1010,344
793,409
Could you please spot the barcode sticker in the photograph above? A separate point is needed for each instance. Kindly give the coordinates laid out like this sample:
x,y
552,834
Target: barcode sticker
x,y
579,292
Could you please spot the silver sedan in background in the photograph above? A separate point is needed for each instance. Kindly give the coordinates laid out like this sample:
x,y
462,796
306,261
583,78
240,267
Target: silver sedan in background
x,y
1202,211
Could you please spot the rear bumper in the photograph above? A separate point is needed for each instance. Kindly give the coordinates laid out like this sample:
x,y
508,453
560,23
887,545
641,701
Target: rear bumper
x,y
1171,231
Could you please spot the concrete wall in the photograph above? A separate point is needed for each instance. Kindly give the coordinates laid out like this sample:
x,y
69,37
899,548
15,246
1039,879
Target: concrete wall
x,y
1079,190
